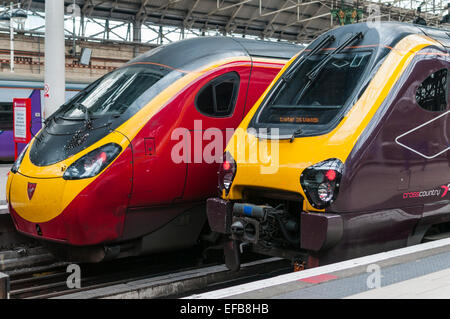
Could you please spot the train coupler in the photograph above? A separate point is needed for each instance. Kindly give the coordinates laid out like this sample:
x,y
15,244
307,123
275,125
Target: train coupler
x,y
232,255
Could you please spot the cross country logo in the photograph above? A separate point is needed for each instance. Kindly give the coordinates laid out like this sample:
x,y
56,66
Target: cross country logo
x,y
441,192
445,188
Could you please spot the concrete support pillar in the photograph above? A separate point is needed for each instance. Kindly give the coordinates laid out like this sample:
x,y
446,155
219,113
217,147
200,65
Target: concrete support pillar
x,y
137,36
11,34
137,26
55,83
107,30
82,26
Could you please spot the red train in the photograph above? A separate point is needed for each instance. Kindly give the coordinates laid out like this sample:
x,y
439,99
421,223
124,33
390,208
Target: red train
x,y
99,180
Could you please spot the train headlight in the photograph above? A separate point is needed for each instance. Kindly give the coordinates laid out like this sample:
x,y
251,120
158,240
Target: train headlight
x,y
227,172
16,165
320,182
325,192
93,162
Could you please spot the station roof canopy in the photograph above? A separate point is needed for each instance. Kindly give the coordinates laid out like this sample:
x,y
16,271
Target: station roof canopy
x,y
292,20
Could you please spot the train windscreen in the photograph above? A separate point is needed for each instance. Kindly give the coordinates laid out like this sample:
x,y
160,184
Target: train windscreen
x,y
114,93
315,100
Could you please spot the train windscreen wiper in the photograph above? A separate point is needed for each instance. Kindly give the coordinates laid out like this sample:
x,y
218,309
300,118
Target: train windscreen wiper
x,y
86,111
325,41
314,73
296,133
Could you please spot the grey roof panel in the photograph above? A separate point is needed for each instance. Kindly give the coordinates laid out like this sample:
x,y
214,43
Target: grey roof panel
x,y
191,54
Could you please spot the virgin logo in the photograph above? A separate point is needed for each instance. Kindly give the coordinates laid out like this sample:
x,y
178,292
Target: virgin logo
x,y
445,188
30,189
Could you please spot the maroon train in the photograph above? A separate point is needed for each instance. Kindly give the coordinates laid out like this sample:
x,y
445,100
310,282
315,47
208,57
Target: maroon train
x,y
363,150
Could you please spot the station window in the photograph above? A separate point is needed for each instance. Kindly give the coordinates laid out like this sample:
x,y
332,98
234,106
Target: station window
x,y
431,95
218,97
6,116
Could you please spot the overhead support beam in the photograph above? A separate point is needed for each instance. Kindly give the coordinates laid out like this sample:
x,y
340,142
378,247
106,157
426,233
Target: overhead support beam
x,y
288,8
305,22
142,13
270,24
189,14
219,8
113,8
88,8
291,20
166,8
160,33
107,29
27,4
233,16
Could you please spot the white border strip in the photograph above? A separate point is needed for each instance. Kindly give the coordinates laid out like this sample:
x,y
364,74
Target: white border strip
x,y
2,207
283,279
415,129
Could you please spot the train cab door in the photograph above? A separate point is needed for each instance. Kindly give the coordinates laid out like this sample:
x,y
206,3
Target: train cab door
x,y
419,127
216,106
157,179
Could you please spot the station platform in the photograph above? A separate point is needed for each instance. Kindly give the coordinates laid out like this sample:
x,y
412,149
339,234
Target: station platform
x,y
4,169
420,271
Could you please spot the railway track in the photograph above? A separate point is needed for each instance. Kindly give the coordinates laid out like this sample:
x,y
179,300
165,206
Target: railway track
x,y
162,274
22,259
46,282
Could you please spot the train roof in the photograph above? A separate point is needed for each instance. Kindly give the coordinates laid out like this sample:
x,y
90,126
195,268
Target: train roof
x,y
389,33
190,54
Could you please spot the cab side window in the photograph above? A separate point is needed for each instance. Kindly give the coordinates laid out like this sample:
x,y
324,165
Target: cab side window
x,y
6,116
431,95
218,97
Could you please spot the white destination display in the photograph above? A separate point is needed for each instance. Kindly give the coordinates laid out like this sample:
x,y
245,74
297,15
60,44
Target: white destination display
x,y
20,122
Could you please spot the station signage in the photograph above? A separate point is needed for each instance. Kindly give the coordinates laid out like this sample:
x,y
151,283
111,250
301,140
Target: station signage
x,y
22,121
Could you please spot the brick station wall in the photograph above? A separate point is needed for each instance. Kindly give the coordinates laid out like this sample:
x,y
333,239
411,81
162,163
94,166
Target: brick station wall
x,y
29,57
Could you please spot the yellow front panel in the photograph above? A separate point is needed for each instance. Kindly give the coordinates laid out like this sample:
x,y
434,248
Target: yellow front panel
x,y
46,202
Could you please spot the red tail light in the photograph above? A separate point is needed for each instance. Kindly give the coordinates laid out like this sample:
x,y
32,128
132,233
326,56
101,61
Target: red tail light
x,y
227,172
331,175
226,166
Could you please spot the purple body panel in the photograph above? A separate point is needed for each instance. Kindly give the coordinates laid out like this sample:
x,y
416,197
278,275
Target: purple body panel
x,y
7,138
381,174
6,145
389,194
